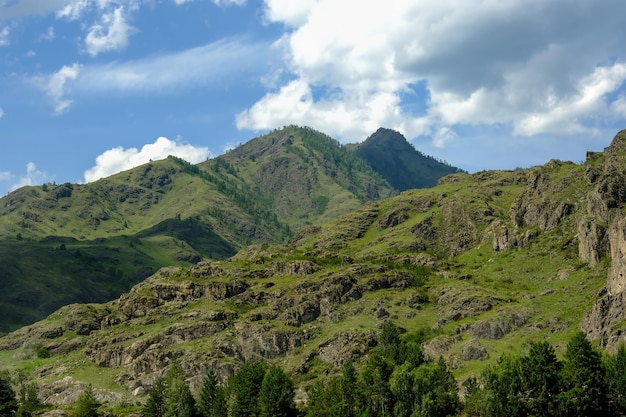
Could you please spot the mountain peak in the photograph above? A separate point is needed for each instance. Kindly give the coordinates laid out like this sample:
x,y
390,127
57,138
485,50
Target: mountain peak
x,y
404,167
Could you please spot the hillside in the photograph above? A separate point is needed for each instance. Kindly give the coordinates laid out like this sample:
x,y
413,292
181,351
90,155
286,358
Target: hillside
x,y
76,243
398,162
479,266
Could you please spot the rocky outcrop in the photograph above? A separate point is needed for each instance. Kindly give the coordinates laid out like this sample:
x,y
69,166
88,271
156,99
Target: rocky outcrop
x,y
497,327
473,350
346,346
505,238
456,304
616,281
592,241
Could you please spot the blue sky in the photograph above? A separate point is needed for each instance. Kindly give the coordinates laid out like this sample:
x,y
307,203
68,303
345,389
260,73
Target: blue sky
x,y
92,87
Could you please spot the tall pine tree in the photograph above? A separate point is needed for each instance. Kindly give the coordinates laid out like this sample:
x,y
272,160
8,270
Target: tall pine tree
x,y
276,394
584,393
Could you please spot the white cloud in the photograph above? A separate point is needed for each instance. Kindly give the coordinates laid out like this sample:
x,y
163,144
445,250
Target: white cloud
x,y
49,35
110,34
55,86
15,9
33,176
4,36
73,10
119,159
1,113
217,2
208,64
525,64
213,64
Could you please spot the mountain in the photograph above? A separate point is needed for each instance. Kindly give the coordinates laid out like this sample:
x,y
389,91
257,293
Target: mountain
x,y
397,161
76,243
479,266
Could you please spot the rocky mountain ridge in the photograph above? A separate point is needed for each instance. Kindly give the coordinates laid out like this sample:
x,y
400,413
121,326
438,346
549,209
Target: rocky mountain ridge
x,y
480,265
68,243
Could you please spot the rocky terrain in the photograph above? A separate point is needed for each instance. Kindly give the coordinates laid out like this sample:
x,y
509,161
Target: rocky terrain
x,y
481,265
69,243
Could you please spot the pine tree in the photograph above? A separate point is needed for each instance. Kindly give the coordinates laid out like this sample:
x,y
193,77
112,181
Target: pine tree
x,y
244,387
276,394
541,379
87,405
8,402
584,392
155,404
616,382
180,401
207,395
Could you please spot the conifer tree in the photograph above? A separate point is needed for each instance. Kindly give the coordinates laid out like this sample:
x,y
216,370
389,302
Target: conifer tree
x,y
8,401
155,404
541,379
180,401
208,395
87,405
276,394
244,387
616,382
584,393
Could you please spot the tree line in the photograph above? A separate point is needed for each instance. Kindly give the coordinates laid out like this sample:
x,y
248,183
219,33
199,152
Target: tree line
x,y
396,380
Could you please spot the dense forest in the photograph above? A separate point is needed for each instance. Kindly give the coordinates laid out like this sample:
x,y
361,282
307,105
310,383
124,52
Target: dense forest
x,y
396,380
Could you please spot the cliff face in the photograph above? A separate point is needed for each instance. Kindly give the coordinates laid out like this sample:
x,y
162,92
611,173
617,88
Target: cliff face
x,y
603,232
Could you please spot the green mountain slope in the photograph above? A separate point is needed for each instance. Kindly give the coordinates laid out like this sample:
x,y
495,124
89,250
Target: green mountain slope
x,y
119,230
480,265
303,175
397,161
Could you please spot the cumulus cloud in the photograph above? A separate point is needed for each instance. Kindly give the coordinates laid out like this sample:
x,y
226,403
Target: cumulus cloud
x,y
55,86
110,34
33,176
524,64
119,159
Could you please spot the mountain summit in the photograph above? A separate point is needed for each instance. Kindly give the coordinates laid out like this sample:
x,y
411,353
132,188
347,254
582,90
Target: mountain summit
x,y
397,161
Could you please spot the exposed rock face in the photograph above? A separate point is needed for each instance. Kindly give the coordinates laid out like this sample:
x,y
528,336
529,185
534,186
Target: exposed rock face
x,y
616,281
605,202
457,305
592,241
345,347
505,239
498,327
606,312
473,350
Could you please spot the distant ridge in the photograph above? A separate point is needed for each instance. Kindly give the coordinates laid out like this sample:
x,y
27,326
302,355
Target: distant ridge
x,y
396,160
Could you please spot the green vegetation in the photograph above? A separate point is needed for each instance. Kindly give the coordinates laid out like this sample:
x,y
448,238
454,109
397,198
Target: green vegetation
x,y
377,307
69,243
